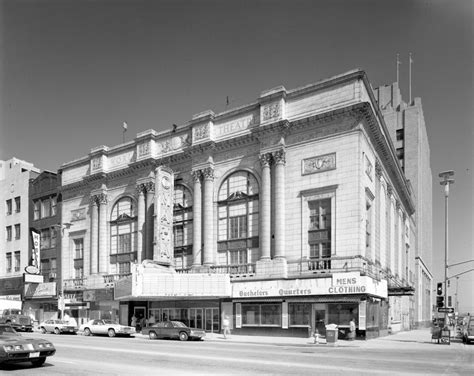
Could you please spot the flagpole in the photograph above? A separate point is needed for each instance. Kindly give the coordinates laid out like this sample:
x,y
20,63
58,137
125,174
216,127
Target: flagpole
x,y
125,126
398,67
409,78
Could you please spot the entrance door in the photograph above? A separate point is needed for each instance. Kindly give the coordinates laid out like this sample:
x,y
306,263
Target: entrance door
x,y
319,322
212,320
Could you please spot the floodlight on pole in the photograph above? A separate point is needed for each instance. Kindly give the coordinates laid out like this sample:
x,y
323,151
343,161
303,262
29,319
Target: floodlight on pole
x,y
447,181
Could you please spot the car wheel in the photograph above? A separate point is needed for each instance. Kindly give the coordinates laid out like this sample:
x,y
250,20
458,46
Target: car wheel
x,y
111,333
87,332
183,336
57,331
43,330
38,362
152,335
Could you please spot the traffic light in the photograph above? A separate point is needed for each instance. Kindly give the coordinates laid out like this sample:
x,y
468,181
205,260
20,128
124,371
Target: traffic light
x,y
439,289
440,301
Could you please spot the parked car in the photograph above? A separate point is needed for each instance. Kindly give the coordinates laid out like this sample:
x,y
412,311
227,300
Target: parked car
x,y
57,327
173,329
468,329
14,348
108,327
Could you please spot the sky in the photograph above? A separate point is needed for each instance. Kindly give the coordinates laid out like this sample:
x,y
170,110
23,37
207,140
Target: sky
x,y
72,71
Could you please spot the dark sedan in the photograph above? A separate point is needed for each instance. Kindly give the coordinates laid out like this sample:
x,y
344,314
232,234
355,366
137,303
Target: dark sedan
x,y
15,348
173,330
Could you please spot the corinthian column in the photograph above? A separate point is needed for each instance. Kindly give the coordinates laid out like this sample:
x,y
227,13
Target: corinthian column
x,y
208,175
150,201
103,233
279,203
265,204
94,254
141,221
197,214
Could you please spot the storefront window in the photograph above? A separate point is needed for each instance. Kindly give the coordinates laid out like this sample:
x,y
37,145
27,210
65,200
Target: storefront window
x,y
261,314
342,313
299,314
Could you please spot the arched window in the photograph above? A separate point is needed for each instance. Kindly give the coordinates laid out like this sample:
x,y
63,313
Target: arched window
x,y
182,227
238,219
123,235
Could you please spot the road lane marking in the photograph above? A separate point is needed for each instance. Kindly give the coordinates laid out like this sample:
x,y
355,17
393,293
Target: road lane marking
x,y
248,361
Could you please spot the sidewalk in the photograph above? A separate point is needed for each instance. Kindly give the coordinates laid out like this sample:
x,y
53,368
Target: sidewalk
x,y
402,339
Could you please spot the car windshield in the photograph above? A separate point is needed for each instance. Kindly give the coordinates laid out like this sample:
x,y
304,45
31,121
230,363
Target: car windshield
x,y
178,324
15,311
7,330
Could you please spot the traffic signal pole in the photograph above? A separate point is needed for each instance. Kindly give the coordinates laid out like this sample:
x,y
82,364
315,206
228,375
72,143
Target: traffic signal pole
x,y
446,182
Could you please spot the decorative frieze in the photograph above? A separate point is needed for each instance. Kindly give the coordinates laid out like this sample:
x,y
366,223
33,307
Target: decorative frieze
x,y
163,247
201,132
78,214
271,111
96,163
368,168
320,163
144,149
378,170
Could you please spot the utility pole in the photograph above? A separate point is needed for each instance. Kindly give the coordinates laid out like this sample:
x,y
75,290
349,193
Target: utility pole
x,y
446,176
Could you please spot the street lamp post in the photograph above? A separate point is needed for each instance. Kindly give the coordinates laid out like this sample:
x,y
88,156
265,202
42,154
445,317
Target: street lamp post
x,y
447,180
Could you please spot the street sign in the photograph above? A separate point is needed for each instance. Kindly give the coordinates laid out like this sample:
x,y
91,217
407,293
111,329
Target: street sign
x,y
446,310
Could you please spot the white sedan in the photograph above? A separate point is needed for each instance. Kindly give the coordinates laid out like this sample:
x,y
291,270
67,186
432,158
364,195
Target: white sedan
x,y
57,327
108,327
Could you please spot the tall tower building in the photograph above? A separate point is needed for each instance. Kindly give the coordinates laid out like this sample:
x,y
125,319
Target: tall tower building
x,y
407,129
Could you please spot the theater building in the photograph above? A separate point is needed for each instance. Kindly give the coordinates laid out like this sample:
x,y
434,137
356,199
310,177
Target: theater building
x,y
286,214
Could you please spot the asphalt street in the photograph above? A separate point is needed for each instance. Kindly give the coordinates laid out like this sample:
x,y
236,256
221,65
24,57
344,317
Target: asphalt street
x,y
408,353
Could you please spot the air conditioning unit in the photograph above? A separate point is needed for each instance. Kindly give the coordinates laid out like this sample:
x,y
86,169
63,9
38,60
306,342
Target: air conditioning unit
x,y
52,275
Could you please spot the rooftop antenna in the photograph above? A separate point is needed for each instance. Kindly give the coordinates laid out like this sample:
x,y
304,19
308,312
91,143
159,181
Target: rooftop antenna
x,y
227,102
409,78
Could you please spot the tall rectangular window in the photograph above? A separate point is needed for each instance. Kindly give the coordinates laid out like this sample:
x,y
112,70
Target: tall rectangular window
x,y
9,233
45,208
9,207
17,231
45,238
78,272
368,227
319,232
54,237
400,134
54,203
53,264
9,262
124,267
17,204
36,210
299,314
17,261
78,248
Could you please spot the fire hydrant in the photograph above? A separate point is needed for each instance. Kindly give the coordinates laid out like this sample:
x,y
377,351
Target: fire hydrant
x,y
316,337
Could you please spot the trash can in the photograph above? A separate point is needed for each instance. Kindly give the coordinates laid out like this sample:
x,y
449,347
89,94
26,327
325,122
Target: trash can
x,y
331,334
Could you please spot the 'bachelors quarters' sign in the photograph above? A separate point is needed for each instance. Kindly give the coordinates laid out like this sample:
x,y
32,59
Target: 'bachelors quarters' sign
x,y
339,284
